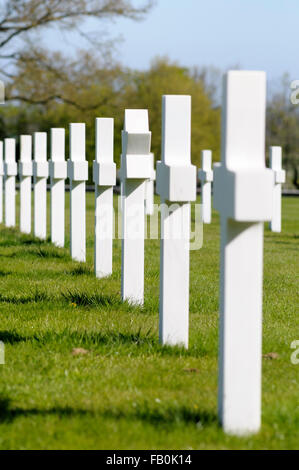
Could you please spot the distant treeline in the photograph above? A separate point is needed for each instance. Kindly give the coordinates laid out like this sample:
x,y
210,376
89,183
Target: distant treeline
x,y
91,91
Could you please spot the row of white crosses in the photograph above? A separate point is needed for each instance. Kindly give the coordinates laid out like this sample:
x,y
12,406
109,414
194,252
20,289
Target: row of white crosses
x,y
58,174
243,194
76,169
243,213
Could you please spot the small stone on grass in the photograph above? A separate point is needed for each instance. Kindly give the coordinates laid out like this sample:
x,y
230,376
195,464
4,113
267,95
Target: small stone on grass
x,y
79,351
271,355
192,370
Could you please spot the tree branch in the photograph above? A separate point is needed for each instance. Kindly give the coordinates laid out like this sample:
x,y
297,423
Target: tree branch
x,y
48,99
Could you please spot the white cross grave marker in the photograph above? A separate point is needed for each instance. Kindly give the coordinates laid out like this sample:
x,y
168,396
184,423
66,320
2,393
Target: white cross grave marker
x,y
10,171
104,177
149,189
58,174
243,195
176,183
1,181
25,175
205,175
279,178
40,173
77,174
135,169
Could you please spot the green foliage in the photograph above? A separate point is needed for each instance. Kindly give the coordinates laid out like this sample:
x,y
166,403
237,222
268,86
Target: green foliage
x,y
145,90
92,89
283,129
106,92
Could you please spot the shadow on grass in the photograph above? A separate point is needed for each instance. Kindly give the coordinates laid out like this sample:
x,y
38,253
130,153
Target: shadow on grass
x,y
50,252
34,297
82,339
85,299
79,299
164,415
81,269
140,342
89,339
274,237
113,301
29,245
38,251
44,251
11,337
5,273
9,243
12,237
289,244
9,413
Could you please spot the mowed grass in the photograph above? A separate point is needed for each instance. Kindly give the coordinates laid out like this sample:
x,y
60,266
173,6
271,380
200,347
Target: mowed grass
x,y
127,391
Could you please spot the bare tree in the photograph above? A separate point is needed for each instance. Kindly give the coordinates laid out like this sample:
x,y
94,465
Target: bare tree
x,y
19,19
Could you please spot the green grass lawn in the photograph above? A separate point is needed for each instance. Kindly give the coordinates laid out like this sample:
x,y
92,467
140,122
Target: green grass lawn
x,y
128,392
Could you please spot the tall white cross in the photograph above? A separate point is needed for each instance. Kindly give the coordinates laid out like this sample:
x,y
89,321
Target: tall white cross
x,y
279,178
205,175
176,185
104,177
10,172
135,169
25,175
40,173
78,175
58,175
243,195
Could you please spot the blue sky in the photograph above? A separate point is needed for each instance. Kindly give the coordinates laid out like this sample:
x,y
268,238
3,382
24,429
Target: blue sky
x,y
253,34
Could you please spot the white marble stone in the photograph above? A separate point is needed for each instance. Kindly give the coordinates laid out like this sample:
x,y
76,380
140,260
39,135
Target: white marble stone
x,y
25,175
135,170
78,175
58,175
40,176
176,183
104,177
10,173
243,195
